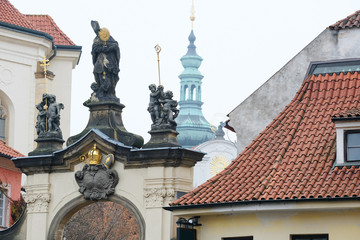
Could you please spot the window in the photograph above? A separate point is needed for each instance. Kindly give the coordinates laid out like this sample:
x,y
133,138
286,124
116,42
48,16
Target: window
x,y
352,146
2,124
310,237
347,140
238,238
2,210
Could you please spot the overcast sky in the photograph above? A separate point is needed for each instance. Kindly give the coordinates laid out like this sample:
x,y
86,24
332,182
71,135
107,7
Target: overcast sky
x,y
243,43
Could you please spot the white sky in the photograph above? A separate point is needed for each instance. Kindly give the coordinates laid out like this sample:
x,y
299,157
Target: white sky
x,y
243,43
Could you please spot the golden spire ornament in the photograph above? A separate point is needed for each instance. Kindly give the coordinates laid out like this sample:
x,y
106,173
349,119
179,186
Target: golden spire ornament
x,y
192,16
44,63
158,50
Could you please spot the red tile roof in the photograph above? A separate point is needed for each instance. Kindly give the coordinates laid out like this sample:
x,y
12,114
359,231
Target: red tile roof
x,y
45,23
9,14
7,151
42,23
352,113
352,21
293,157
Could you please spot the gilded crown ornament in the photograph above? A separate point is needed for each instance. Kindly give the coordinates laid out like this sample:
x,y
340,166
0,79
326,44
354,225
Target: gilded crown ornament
x,y
96,180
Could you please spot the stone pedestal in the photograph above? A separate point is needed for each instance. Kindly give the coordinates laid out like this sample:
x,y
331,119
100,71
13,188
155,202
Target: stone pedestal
x,y
106,117
162,138
47,145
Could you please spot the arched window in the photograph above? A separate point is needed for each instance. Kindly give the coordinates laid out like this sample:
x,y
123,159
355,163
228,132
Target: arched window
x,y
3,114
193,93
186,92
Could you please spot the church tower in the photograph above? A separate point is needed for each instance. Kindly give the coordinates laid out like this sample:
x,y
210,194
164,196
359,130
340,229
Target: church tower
x,y
192,126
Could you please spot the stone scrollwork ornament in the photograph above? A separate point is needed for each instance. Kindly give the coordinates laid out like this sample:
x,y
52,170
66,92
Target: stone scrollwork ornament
x,y
96,180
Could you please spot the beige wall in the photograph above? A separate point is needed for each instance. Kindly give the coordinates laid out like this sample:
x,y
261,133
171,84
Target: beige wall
x,y
280,225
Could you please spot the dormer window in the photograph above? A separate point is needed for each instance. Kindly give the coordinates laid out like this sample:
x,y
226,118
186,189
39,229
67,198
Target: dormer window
x,y
347,138
352,146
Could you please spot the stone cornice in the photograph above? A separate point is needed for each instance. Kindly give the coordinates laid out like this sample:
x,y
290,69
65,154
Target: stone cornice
x,y
64,160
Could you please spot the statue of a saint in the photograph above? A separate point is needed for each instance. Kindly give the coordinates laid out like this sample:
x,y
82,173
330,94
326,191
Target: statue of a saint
x,y
106,56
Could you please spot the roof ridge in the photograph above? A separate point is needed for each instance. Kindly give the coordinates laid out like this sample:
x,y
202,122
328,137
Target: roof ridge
x,y
347,22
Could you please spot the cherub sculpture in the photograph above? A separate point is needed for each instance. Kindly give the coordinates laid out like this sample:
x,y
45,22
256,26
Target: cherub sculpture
x,y
48,118
162,107
169,111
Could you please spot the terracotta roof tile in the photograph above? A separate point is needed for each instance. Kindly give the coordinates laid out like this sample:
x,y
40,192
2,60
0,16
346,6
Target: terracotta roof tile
x,y
293,157
9,14
7,151
352,21
43,23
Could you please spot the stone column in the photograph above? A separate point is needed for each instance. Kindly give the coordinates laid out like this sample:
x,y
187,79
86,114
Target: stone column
x,y
160,189
37,198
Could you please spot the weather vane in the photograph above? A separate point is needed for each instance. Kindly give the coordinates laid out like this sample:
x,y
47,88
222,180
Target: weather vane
x,y
44,63
158,50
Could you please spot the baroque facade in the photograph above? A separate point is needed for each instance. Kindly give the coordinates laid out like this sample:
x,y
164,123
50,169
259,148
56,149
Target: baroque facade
x,y
24,41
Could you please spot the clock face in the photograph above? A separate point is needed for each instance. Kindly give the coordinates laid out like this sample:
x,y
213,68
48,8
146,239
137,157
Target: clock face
x,y
218,164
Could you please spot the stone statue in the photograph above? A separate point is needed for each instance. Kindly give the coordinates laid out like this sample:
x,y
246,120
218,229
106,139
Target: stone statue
x,y
105,56
154,105
162,108
48,118
169,111
41,119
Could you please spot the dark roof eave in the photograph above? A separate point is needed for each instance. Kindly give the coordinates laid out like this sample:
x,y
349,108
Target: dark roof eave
x,y
350,118
69,47
24,30
208,205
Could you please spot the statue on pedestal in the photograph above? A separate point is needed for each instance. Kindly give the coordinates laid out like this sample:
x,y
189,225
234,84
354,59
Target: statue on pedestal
x,y
48,118
48,126
162,108
105,56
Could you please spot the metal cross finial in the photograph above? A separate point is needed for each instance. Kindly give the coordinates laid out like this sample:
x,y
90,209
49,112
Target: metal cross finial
x,y
158,50
44,63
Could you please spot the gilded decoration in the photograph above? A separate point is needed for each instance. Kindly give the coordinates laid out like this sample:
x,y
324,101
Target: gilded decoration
x,y
96,180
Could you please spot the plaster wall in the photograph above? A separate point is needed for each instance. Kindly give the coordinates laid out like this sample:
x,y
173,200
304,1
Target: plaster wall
x,y
280,225
251,116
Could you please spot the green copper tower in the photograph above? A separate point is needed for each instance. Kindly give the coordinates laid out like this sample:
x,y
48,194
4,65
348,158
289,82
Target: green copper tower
x,y
192,126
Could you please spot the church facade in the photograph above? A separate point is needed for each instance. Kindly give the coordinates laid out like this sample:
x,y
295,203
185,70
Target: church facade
x,y
24,42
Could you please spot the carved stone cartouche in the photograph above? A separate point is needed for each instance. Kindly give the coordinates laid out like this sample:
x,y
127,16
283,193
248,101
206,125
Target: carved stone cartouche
x,y
96,182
